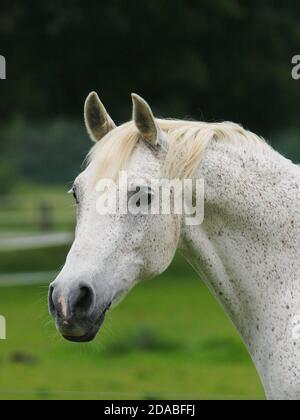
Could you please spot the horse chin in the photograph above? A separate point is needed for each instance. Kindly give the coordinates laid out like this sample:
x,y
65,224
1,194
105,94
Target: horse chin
x,y
89,336
84,339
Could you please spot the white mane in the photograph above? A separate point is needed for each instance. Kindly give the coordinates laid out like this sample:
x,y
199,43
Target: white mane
x,y
188,141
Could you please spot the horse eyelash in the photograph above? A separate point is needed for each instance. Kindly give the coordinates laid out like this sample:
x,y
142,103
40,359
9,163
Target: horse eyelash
x,y
74,193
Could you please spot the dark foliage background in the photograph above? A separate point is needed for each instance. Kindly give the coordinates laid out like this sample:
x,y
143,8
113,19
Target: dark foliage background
x,y
212,60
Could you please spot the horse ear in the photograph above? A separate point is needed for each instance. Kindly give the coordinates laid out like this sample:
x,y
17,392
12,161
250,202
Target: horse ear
x,y
144,120
97,121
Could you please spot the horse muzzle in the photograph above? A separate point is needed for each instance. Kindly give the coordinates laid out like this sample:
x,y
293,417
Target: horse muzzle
x,y
77,314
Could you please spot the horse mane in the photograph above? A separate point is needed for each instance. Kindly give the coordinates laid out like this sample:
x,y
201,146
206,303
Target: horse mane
x,y
188,141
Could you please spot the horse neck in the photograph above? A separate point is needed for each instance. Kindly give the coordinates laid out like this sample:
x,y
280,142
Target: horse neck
x,y
250,235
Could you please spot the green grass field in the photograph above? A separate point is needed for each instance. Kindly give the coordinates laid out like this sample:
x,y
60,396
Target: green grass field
x,y
168,339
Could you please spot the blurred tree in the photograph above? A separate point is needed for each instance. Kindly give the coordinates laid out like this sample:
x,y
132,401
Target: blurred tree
x,y
7,178
51,152
212,60
8,170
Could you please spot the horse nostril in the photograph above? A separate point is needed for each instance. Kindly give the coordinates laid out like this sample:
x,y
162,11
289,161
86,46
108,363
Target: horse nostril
x,y
85,299
79,301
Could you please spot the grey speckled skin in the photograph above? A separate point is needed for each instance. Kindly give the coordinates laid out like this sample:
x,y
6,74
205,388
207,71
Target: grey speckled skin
x,y
247,250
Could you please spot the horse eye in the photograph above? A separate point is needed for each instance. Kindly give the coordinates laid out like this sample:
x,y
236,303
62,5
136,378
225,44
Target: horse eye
x,y
150,197
75,197
149,200
74,193
146,196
